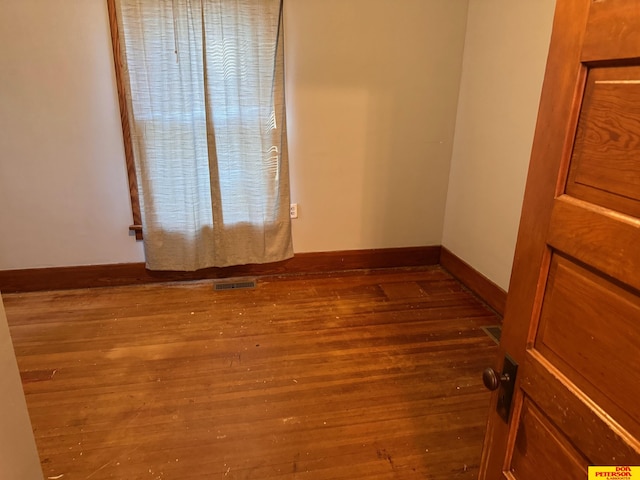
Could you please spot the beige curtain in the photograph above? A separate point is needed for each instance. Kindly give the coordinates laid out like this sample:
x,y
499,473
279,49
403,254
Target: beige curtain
x,y
205,82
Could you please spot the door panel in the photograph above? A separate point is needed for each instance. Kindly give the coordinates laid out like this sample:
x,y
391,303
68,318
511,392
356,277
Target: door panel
x,y
605,165
597,360
575,414
572,319
612,30
603,238
538,438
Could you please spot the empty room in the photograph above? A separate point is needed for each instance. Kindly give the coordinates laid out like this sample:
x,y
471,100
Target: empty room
x,y
319,239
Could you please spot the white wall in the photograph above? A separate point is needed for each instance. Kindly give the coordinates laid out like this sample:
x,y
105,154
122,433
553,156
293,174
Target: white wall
x,y
63,189
504,60
372,91
372,98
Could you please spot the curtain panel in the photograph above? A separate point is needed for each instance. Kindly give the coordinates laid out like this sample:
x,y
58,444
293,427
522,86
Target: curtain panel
x,y
204,83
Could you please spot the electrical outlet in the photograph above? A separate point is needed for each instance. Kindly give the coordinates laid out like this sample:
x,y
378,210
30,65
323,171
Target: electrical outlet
x,y
293,210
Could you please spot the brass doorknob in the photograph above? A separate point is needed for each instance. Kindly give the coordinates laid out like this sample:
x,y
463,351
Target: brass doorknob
x,y
492,379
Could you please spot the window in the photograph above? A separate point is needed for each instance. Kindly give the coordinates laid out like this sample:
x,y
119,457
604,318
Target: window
x,y
202,95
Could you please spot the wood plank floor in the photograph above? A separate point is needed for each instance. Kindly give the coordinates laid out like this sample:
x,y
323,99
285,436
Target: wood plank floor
x,y
363,375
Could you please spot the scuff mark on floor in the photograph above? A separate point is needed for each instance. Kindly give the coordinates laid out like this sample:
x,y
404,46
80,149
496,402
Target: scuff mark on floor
x,y
384,455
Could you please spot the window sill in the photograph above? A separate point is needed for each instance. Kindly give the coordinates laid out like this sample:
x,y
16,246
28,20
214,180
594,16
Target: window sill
x,y
137,229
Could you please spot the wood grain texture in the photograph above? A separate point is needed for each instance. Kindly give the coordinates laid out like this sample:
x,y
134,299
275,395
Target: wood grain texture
x,y
370,375
585,423
488,291
612,31
604,166
537,438
603,238
572,313
118,62
577,302
552,145
57,278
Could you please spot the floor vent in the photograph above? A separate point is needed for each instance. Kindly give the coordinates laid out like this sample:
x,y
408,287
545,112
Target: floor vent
x,y
495,331
234,285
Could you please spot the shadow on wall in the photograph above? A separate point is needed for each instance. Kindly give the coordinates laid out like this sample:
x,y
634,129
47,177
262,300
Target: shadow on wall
x,y
372,94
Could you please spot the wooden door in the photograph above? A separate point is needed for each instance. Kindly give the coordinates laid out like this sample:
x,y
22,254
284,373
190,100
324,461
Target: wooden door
x,y
572,320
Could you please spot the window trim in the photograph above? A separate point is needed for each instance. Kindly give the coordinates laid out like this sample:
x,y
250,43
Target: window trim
x,y
136,227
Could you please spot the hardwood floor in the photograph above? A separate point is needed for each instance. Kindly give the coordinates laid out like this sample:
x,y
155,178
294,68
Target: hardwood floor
x,y
362,375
